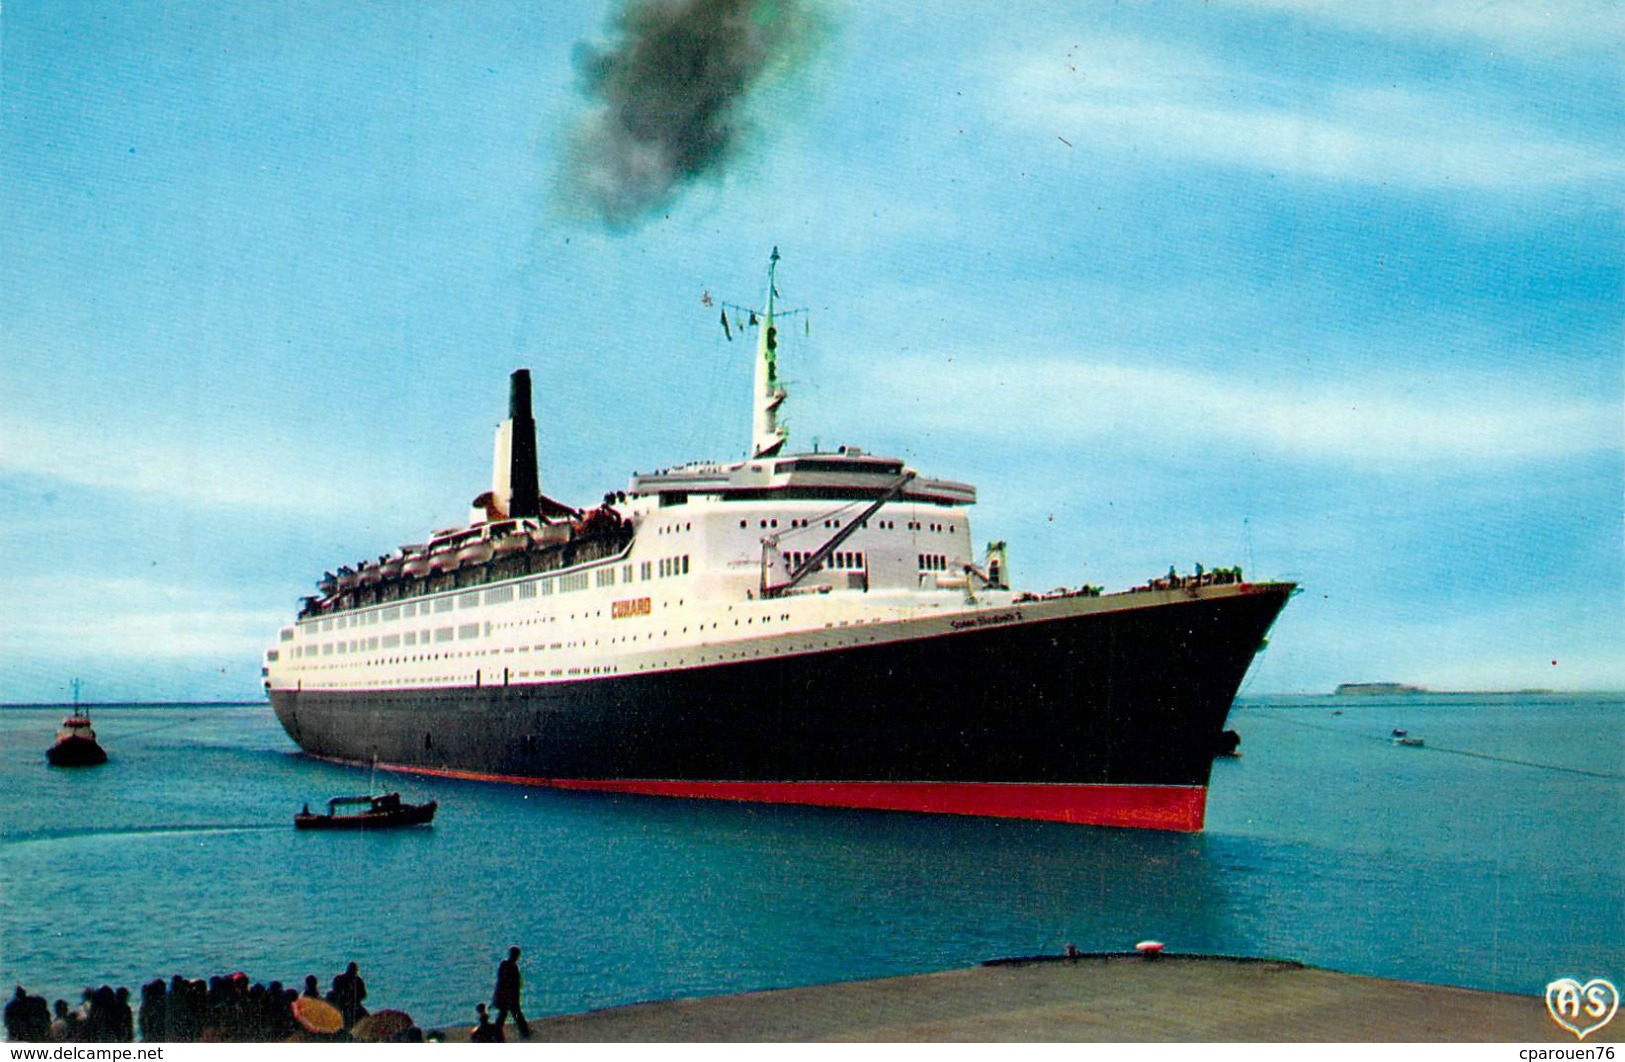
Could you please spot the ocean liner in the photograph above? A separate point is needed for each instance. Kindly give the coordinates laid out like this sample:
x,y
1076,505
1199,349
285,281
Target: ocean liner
x,y
809,628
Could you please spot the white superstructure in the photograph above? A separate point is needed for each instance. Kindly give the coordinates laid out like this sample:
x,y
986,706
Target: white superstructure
x,y
688,566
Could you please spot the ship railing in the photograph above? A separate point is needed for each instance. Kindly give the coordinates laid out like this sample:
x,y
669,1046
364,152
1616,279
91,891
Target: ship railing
x,y
1058,594
1175,581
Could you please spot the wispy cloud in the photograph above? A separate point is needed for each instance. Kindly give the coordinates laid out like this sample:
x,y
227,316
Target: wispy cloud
x,y
133,619
1377,423
1515,25
235,471
1132,95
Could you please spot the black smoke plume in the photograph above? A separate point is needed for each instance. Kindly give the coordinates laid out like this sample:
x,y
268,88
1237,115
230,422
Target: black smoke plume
x,y
671,91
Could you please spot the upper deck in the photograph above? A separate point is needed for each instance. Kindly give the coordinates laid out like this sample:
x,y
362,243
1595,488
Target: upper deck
x,y
849,474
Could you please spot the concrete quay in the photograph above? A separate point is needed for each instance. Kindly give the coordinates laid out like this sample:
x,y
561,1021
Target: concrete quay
x,y
1090,998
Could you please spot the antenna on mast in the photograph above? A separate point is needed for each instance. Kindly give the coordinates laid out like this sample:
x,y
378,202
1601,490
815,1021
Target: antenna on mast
x,y
767,438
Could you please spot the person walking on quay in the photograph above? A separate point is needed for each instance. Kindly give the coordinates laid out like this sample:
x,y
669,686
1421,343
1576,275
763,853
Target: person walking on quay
x,y
506,996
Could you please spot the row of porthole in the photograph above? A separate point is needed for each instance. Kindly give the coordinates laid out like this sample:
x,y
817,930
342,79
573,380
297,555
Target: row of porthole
x,y
484,652
610,670
752,654
749,620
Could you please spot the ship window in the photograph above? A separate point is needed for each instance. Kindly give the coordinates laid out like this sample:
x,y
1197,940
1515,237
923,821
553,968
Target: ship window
x,y
443,604
606,577
527,590
409,610
327,650
392,641
287,635
372,644
647,570
443,634
469,600
468,630
547,587
626,574
499,595
390,615
411,637
685,564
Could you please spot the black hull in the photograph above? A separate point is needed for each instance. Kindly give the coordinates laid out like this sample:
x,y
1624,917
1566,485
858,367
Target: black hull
x,y
76,752
1127,701
406,816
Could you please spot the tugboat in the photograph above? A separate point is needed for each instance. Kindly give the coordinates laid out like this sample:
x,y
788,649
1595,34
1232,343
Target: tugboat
x,y
381,812
76,744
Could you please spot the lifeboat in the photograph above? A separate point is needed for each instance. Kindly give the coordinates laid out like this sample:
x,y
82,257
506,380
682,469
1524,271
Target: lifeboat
x,y
347,580
512,540
415,566
444,559
549,535
476,552
369,575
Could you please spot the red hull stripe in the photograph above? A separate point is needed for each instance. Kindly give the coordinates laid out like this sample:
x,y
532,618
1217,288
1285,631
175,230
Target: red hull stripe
x,y
1156,807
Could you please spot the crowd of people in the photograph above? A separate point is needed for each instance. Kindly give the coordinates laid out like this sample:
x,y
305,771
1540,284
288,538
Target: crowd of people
x,y
228,1009
225,1008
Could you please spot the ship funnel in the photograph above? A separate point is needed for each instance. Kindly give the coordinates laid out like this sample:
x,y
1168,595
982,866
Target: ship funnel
x,y
514,487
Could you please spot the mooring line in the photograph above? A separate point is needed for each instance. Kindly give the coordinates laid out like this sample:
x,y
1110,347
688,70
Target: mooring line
x,y
1604,775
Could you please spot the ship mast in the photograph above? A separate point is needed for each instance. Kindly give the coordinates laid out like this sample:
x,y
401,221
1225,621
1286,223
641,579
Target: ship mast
x,y
767,438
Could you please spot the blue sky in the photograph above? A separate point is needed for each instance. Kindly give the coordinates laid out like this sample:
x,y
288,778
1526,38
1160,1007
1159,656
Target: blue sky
x,y
1332,291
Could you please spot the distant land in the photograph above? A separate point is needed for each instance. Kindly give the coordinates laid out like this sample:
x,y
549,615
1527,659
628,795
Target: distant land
x,y
1389,689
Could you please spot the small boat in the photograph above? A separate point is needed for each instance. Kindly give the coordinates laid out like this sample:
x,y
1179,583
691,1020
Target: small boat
x,y
380,812
76,744
1406,739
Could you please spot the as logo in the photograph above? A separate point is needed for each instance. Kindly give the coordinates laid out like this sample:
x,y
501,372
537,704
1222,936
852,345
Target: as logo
x,y
1582,1009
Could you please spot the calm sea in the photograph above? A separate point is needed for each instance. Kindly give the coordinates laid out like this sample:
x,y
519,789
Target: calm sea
x,y
1490,857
